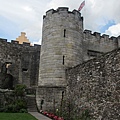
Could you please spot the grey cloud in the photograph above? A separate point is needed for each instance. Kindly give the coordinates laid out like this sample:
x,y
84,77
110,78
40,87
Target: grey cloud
x,y
96,13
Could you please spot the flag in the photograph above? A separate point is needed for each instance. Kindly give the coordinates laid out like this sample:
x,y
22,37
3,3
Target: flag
x,y
81,5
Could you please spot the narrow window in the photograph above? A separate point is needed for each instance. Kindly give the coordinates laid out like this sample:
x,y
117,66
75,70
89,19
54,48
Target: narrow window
x,y
63,59
24,70
62,94
64,32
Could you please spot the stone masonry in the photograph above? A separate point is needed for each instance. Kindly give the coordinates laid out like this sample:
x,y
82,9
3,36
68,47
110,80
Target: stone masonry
x,y
70,62
64,45
95,86
22,61
61,42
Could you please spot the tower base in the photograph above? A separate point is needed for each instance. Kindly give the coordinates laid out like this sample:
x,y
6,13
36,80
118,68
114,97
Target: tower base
x,y
49,98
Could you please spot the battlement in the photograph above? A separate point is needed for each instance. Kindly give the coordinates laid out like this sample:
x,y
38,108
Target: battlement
x,y
103,43
3,40
65,11
15,43
62,9
98,35
87,32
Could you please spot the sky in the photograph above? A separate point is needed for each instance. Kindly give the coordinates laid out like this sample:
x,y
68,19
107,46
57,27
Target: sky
x,y
18,16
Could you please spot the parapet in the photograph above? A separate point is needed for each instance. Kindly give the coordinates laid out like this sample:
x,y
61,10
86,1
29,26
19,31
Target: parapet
x,y
63,10
14,42
105,36
3,40
113,38
49,12
100,40
26,44
60,9
87,32
96,34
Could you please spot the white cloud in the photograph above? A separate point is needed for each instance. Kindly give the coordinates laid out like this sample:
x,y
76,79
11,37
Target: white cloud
x,y
113,30
27,8
38,42
27,14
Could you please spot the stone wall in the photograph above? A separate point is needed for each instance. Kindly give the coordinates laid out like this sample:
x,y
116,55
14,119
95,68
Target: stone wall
x,y
95,86
98,43
4,93
61,47
51,96
22,61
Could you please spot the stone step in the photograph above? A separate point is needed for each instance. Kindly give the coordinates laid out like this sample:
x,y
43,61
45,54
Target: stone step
x,y
31,104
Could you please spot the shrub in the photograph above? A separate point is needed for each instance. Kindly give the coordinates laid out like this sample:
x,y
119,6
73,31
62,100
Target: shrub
x,y
16,102
20,90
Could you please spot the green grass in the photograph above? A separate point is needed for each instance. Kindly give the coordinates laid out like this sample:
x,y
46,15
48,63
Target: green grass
x,y
16,116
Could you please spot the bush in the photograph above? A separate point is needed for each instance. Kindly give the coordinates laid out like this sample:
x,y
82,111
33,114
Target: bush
x,y
16,102
20,90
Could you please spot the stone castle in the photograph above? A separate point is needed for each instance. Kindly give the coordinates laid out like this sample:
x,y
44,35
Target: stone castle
x,y
70,61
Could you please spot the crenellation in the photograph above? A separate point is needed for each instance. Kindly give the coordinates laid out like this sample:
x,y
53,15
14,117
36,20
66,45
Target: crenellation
x,y
96,34
99,42
62,9
36,46
3,40
105,36
113,38
14,42
63,12
77,13
87,32
50,12
118,38
26,44
44,16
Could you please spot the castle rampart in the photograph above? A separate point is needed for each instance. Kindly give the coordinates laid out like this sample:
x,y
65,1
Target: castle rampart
x,y
92,61
94,86
97,42
24,60
61,42
65,44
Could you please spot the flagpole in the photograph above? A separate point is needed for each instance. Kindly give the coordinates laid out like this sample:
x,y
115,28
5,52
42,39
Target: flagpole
x,y
82,5
84,17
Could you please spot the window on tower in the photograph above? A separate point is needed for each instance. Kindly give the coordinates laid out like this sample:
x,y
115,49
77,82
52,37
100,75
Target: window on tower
x,y
63,59
64,32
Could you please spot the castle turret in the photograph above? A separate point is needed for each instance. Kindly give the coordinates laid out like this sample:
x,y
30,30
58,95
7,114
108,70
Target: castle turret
x,y
61,48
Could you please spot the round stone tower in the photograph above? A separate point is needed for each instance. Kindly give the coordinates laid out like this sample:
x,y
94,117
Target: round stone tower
x,y
61,48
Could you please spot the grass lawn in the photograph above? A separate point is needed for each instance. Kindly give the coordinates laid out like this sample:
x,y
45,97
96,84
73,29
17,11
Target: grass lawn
x,y
16,116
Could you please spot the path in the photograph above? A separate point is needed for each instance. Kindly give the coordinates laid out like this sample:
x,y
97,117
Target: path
x,y
39,116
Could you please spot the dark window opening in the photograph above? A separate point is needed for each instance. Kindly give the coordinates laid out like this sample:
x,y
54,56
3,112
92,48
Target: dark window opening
x,y
24,70
90,73
93,53
62,95
64,32
63,59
